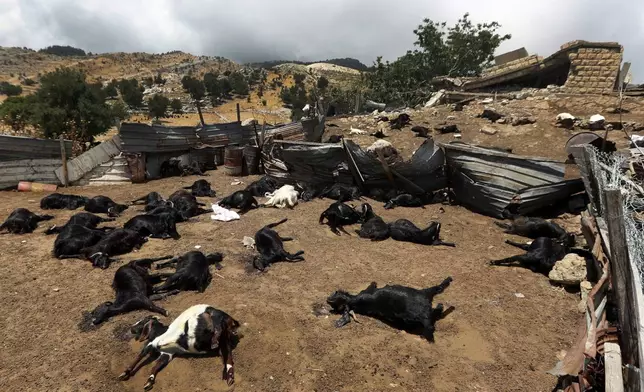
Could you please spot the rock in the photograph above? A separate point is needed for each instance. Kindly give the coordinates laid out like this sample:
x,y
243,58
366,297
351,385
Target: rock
x,y
516,121
248,122
505,102
519,295
585,287
618,110
502,121
565,120
596,122
489,131
450,118
491,115
569,271
487,101
436,99
448,128
456,107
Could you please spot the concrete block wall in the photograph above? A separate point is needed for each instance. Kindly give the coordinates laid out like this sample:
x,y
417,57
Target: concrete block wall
x,y
594,68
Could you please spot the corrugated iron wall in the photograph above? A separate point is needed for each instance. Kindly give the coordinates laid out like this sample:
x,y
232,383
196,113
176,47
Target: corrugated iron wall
x,y
36,170
155,138
17,148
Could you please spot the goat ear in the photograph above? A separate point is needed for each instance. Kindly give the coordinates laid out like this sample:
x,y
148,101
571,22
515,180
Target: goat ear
x,y
145,332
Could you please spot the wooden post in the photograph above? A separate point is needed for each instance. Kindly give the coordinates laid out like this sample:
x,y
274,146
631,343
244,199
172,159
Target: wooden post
x,y
613,359
63,156
238,113
621,275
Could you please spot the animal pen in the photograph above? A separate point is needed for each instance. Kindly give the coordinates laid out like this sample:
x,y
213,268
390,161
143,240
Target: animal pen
x,y
614,229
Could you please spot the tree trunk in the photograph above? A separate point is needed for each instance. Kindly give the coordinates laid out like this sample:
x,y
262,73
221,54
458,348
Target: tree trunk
x,y
203,123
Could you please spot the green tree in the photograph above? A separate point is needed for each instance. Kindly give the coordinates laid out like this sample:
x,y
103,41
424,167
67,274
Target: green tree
x,y
157,106
17,112
148,82
238,83
131,92
28,82
177,106
197,91
110,90
9,89
323,83
159,79
464,49
299,78
66,104
213,86
119,111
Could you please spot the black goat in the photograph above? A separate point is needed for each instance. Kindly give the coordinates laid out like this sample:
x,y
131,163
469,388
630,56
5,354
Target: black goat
x,y
339,214
166,209
341,192
421,131
133,286
201,188
84,219
117,242
104,205
406,200
382,195
57,201
399,122
155,226
532,227
334,139
192,272
74,238
541,256
373,227
399,306
262,186
270,246
187,204
150,198
406,231
23,221
174,167
242,200
308,191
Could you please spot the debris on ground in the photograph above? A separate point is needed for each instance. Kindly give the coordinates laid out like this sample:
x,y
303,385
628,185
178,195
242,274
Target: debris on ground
x,y
447,128
436,99
570,271
356,131
585,288
489,131
565,120
222,214
521,120
248,242
491,115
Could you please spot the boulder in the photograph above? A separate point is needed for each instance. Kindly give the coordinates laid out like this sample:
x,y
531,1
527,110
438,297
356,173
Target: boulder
x,y
565,120
522,120
596,122
570,271
489,131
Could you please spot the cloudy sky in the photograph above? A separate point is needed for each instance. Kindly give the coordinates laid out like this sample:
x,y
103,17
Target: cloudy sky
x,y
252,30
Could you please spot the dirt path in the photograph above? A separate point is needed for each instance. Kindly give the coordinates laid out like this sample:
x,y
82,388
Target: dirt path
x,y
494,341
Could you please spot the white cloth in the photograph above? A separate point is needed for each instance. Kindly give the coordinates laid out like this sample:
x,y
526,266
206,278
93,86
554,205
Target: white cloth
x,y
222,214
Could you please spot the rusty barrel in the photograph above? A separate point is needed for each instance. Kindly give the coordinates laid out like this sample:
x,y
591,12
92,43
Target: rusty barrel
x,y
233,160
251,159
219,156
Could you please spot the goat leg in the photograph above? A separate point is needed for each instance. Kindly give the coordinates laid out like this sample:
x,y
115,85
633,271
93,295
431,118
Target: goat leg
x,y
286,239
161,363
130,370
508,260
502,225
160,296
297,256
227,358
344,320
440,242
167,264
519,245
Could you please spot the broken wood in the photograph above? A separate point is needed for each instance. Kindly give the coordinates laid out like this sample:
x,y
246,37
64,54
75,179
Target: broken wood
x,y
613,368
386,167
63,156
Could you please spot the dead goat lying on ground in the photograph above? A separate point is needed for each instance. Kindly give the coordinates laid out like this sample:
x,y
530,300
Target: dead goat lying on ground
x,y
532,227
341,192
22,221
152,200
401,307
73,238
117,242
407,200
373,227
200,329
161,226
57,201
133,286
262,186
201,188
187,204
84,219
401,121
338,215
104,205
242,200
541,256
270,246
166,209
334,139
174,167
192,272
406,231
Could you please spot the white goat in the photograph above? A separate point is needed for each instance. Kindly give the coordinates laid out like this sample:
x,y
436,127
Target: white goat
x,y
356,131
286,196
200,329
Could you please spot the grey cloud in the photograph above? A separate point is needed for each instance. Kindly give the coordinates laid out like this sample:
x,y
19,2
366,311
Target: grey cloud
x,y
254,30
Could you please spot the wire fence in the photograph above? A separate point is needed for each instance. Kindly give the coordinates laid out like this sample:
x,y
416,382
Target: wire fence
x,y
610,171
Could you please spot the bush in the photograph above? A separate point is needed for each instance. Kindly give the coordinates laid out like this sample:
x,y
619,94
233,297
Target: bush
x,y
148,82
159,79
16,112
299,78
119,111
63,51
176,106
157,106
239,84
323,83
131,92
264,102
9,89
110,90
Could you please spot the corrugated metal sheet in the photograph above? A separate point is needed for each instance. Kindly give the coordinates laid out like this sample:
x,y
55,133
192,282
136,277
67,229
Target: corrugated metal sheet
x,y
488,181
293,131
36,170
156,138
224,134
425,168
86,162
16,147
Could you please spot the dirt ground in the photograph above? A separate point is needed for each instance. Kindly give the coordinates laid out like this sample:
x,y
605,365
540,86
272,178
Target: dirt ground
x,y
494,341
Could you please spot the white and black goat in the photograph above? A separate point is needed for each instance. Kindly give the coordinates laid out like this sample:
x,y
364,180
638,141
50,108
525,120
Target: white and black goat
x,y
199,330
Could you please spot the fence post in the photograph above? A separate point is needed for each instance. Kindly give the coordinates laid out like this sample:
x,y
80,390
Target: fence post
x,y
238,113
621,277
63,156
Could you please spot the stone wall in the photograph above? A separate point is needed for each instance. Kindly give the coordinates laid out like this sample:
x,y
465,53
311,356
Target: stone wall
x,y
594,67
511,66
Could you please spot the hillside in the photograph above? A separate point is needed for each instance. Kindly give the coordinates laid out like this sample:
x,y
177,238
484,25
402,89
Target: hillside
x,y
345,62
20,65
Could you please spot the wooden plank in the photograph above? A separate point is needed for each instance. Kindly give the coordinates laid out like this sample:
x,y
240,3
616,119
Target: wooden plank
x,y
613,368
638,300
63,157
621,274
